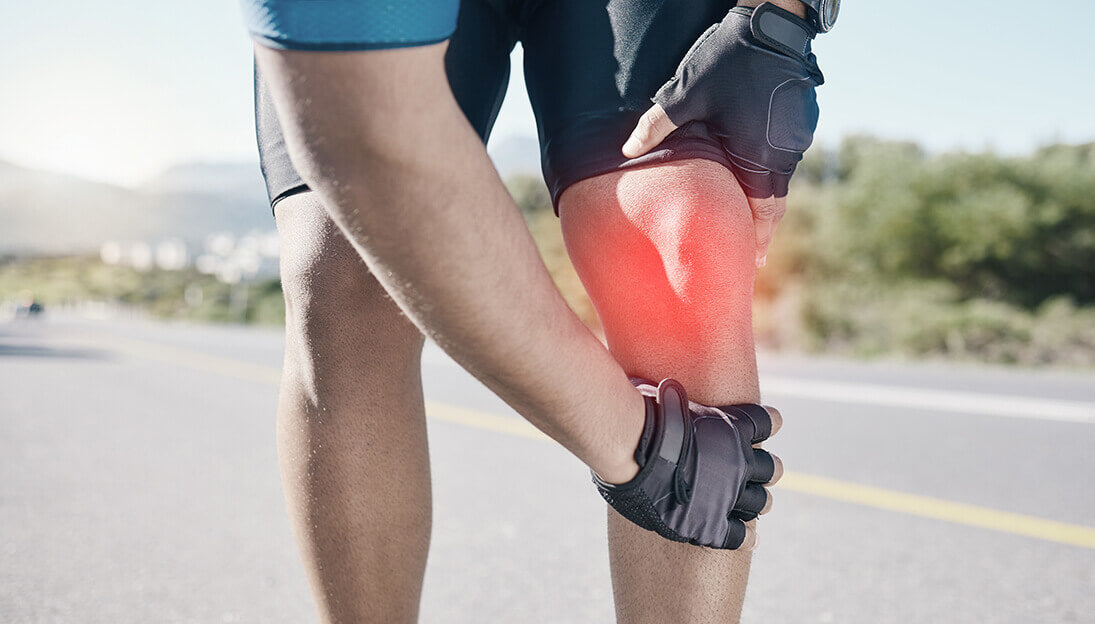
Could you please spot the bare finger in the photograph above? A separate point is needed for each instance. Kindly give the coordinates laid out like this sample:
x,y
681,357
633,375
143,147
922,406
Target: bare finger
x,y
768,503
777,471
767,214
651,130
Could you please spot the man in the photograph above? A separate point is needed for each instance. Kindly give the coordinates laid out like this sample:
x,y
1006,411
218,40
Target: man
x,y
394,224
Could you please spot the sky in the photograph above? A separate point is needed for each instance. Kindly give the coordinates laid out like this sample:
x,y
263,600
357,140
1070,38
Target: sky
x,y
118,91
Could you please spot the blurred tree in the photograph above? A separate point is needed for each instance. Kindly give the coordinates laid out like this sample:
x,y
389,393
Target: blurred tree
x,y
1020,230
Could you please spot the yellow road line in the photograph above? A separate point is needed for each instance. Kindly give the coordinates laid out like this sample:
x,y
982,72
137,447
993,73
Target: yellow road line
x,y
483,420
216,364
939,509
867,496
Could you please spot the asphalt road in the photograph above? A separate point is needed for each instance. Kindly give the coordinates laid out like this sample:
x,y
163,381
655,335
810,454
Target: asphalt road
x,y
139,483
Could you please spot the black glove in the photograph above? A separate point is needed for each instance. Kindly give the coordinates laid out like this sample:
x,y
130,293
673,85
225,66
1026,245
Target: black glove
x,y
751,79
699,475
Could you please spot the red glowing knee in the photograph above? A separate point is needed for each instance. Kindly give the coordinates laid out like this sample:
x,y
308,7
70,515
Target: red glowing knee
x,y
667,256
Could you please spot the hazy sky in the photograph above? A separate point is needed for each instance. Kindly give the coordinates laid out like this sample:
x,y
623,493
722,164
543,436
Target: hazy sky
x,y
119,90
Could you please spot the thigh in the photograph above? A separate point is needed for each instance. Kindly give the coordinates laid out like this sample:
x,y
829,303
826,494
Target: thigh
x,y
477,64
591,67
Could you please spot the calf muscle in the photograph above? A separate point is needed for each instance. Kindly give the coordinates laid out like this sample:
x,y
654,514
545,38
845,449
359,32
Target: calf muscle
x,y
667,256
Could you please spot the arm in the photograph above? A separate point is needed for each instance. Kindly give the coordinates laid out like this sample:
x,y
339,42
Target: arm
x,y
379,136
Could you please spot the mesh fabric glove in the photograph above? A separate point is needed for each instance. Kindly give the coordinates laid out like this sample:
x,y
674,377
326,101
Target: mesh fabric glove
x,y
751,79
699,476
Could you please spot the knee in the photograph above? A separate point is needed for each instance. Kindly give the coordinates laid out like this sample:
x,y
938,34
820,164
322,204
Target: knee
x,y
337,314
666,254
673,241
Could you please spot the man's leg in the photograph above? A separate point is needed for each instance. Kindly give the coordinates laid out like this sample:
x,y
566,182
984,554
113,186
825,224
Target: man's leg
x,y
667,255
351,426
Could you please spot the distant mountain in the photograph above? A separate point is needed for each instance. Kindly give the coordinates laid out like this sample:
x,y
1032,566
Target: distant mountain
x,y
516,155
44,212
242,180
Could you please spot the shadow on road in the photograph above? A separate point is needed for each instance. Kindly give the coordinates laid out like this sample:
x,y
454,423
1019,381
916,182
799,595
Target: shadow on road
x,y
35,351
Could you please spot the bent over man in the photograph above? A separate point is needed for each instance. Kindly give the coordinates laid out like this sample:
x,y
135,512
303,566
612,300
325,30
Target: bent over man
x,y
372,118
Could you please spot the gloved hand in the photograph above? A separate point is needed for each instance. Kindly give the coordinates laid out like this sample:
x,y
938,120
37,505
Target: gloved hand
x,y
700,478
751,78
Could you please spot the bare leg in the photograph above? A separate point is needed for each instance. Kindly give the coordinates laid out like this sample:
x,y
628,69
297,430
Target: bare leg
x,y
667,255
351,426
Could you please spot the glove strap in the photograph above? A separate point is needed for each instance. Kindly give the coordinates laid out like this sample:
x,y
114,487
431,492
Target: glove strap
x,y
672,405
782,30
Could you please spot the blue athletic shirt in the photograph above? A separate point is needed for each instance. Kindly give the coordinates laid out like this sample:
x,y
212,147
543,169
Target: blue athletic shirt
x,y
349,24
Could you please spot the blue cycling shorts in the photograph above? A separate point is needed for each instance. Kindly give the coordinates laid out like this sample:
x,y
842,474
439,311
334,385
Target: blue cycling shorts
x,y
350,24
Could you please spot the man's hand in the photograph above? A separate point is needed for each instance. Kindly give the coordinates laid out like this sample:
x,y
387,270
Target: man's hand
x,y
701,473
751,79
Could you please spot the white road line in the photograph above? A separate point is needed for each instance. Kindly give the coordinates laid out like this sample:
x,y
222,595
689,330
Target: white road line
x,y
1012,406
948,401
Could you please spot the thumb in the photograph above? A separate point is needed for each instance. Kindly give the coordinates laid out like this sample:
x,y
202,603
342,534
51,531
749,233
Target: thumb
x,y
767,213
652,128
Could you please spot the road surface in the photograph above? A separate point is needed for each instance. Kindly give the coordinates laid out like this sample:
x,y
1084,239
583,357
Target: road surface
x,y
139,483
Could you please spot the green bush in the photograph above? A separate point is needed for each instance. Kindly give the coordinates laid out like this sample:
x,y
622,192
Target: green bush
x,y
1019,230
163,294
